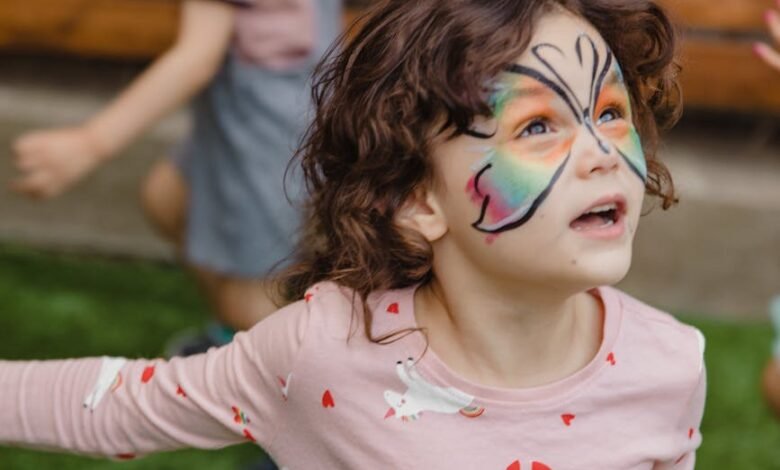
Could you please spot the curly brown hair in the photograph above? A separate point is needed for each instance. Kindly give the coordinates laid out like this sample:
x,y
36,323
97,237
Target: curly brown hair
x,y
383,95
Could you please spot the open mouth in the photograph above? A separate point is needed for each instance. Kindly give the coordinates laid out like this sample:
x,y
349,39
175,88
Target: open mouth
x,y
600,217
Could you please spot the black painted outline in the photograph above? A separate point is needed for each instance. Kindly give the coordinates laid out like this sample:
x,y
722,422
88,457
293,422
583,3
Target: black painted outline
x,y
531,210
479,175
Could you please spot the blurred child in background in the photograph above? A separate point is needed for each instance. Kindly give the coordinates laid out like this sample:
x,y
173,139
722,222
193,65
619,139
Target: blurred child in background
x,y
219,197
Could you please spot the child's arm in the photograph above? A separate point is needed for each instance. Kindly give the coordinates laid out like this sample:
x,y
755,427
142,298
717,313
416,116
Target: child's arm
x,y
767,53
52,160
277,34
126,408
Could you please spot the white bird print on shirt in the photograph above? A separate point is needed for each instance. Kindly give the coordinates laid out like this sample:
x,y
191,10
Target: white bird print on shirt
x,y
424,396
109,378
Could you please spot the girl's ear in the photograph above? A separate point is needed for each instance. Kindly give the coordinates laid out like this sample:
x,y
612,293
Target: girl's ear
x,y
423,214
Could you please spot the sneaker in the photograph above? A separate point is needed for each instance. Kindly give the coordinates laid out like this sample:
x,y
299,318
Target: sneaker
x,y
191,342
263,464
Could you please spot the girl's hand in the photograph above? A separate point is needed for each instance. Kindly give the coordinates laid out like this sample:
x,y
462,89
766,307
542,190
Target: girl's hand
x,y
51,161
277,34
771,55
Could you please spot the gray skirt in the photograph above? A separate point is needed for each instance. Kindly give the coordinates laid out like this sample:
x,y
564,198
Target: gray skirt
x,y
246,127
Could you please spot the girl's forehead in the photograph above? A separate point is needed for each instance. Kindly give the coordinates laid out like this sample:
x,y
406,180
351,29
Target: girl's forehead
x,y
562,26
563,31
566,55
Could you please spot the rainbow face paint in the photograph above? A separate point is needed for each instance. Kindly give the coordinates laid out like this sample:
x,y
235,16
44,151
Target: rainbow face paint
x,y
516,175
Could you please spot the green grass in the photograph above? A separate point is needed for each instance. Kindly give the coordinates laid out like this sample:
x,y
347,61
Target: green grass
x,y
62,306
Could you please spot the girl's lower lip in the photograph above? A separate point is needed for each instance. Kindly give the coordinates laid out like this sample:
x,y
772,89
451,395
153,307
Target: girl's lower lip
x,y
607,232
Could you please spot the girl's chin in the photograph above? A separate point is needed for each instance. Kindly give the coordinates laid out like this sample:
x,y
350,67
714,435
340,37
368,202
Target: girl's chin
x,y
609,275
601,271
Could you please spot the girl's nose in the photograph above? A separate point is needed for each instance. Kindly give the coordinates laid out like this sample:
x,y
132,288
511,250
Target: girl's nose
x,y
594,154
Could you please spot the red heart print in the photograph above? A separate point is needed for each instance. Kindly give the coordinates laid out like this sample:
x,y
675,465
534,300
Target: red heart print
x,y
611,358
393,308
327,400
567,419
249,435
514,465
308,296
180,391
690,433
539,466
147,374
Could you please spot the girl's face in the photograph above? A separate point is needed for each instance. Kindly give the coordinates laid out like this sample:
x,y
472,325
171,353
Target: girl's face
x,y
550,188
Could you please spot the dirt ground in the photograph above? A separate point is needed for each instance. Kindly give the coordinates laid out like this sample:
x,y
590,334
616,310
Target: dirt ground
x,y
717,253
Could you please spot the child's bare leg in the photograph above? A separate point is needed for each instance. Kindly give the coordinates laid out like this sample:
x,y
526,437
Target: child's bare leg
x,y
238,302
164,197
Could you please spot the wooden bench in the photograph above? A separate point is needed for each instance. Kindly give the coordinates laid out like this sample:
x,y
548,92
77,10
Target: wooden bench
x,y
720,70
124,29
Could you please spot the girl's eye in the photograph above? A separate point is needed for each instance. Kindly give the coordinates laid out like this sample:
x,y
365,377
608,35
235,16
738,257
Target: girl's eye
x,y
537,127
609,114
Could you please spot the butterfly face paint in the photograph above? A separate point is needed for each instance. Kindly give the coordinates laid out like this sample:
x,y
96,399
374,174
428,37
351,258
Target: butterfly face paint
x,y
517,173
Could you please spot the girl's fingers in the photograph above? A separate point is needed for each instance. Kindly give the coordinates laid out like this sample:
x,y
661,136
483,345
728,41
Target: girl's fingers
x,y
23,143
33,185
25,162
769,55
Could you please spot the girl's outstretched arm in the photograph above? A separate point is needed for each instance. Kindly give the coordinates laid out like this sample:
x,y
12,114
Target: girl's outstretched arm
x,y
122,408
50,161
771,55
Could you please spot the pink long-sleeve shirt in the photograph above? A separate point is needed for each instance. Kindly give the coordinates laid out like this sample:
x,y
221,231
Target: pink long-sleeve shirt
x,y
307,386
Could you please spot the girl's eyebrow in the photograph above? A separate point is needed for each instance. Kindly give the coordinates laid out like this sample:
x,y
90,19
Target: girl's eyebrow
x,y
506,97
530,91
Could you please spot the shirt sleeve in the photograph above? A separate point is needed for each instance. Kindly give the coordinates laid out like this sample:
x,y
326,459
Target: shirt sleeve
x,y
687,432
124,408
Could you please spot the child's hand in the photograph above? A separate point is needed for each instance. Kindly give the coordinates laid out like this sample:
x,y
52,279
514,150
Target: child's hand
x,y
767,53
51,161
277,34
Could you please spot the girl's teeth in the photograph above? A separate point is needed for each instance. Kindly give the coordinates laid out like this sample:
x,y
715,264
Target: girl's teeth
x,y
603,208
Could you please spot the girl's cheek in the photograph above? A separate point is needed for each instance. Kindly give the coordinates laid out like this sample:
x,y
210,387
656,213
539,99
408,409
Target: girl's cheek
x,y
542,153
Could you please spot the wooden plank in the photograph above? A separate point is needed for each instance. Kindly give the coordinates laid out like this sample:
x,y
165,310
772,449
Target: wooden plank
x,y
721,15
115,28
726,75
139,29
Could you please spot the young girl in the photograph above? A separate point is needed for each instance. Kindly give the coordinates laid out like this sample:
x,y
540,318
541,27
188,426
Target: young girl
x,y
476,174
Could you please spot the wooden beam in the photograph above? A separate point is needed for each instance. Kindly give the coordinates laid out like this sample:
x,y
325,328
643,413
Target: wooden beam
x,y
136,29
720,15
109,28
726,75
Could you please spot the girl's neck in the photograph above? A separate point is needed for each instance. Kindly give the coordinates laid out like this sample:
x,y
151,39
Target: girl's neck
x,y
508,338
